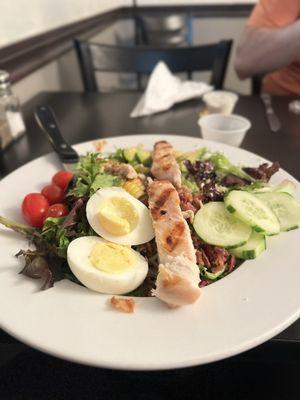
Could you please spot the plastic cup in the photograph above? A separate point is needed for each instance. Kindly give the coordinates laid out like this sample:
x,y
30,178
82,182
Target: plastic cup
x,y
230,129
220,101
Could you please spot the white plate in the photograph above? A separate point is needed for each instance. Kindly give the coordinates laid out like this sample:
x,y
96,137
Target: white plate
x,y
246,308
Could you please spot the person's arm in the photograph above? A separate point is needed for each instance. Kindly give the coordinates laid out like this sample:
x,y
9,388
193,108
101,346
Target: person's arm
x,y
264,50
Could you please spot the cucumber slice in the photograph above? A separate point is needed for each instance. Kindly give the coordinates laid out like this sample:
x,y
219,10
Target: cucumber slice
x,y
130,154
285,186
216,226
213,276
252,249
285,207
252,211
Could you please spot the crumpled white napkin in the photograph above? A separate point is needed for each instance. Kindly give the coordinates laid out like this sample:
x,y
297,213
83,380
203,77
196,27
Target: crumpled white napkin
x,y
164,90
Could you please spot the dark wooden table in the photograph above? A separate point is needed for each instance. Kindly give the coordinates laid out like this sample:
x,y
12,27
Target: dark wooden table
x,y
84,117
92,116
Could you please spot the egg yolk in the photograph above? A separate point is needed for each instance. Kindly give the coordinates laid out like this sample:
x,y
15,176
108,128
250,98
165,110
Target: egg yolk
x,y
118,216
111,257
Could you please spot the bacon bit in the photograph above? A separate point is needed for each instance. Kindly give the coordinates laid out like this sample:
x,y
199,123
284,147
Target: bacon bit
x,y
197,200
185,195
188,200
231,263
212,257
217,256
202,258
188,207
188,215
196,241
99,145
125,305
203,283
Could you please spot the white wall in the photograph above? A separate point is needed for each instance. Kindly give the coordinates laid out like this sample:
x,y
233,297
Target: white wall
x,y
51,77
21,19
63,73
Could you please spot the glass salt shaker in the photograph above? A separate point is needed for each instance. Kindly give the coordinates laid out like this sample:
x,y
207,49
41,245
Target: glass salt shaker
x,y
11,111
5,134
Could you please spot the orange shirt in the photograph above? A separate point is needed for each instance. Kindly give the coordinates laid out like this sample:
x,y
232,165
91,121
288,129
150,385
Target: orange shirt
x,y
276,14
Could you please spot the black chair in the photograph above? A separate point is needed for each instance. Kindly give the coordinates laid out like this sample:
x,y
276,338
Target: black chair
x,y
94,57
164,30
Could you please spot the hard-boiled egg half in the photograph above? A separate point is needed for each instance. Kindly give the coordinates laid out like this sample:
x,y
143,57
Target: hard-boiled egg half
x,y
119,217
106,267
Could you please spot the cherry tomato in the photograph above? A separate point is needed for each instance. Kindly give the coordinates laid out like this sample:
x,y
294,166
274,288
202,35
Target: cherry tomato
x,y
34,208
53,193
57,210
62,178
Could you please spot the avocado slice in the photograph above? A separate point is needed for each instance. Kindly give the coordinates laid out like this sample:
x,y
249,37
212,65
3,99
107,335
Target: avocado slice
x,y
195,155
130,154
144,157
190,155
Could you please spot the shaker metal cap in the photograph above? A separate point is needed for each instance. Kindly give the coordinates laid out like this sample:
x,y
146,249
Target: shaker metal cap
x,y
4,77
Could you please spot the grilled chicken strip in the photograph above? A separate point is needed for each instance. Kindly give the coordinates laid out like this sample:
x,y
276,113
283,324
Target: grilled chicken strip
x,y
177,282
164,166
171,230
121,169
178,278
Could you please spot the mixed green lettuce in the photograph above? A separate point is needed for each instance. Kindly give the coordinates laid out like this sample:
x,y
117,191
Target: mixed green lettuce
x,y
90,176
48,261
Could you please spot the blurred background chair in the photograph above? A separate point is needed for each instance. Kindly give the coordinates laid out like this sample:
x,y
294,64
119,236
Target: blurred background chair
x,y
166,30
93,57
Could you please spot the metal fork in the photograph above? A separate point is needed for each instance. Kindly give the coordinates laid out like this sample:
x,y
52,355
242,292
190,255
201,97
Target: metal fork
x,y
272,118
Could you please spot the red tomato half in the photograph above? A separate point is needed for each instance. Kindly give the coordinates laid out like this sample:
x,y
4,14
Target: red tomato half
x,y
53,193
56,211
34,208
62,178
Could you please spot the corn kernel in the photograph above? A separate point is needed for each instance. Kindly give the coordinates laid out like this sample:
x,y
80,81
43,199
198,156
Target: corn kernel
x,y
135,187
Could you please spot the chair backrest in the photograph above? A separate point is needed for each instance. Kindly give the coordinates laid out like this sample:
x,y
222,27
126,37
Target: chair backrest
x,y
165,30
141,60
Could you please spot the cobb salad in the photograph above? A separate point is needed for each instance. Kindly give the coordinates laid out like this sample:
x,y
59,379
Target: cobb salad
x,y
157,222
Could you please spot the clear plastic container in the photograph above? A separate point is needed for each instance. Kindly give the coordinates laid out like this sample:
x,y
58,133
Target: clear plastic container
x,y
220,101
229,129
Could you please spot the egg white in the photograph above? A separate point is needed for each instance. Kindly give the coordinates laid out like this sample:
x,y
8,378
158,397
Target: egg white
x,y
78,254
142,233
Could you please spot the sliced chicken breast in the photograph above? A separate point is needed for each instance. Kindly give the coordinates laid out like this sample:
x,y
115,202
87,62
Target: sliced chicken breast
x,y
178,277
121,169
177,282
171,230
164,166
